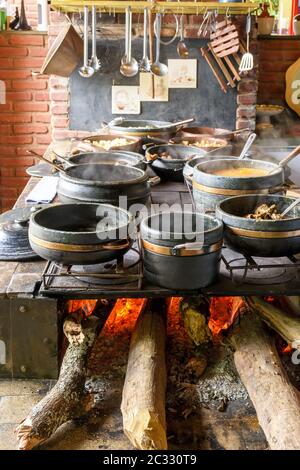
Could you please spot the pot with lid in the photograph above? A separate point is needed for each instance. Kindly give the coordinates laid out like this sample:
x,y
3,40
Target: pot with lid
x,y
177,243
80,233
133,159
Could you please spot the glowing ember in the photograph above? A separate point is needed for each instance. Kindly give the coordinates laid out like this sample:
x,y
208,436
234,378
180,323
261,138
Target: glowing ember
x,y
223,312
287,349
124,314
86,307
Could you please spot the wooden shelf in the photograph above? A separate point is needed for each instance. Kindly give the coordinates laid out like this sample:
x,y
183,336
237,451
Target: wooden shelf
x,y
156,6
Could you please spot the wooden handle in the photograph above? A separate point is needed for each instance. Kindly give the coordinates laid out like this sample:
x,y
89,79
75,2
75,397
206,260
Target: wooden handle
x,y
290,157
213,68
58,168
222,67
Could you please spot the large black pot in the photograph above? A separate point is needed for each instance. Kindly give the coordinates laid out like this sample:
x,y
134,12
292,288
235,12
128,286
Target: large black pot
x,y
113,158
252,237
104,183
80,233
181,250
209,189
171,169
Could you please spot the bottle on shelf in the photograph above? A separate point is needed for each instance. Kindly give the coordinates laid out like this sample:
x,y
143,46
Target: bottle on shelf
x,y
16,19
3,11
23,23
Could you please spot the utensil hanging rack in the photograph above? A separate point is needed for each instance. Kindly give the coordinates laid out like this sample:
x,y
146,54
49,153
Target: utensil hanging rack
x,y
157,6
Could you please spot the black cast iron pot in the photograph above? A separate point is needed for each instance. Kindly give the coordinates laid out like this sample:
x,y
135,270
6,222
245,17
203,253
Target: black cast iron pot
x,y
182,250
113,158
171,169
252,237
80,233
104,183
209,189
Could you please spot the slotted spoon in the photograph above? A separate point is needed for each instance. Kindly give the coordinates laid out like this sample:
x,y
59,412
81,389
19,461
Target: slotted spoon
x,y
247,59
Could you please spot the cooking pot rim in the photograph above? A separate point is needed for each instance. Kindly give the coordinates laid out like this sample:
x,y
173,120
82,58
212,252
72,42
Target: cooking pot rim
x,y
177,160
134,139
146,227
268,223
139,179
54,231
277,168
136,158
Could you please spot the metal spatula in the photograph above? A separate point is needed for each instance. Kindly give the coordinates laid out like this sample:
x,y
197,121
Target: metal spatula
x,y
247,59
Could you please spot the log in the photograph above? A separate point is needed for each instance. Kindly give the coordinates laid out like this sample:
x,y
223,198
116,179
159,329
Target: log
x,y
68,398
285,324
276,401
143,400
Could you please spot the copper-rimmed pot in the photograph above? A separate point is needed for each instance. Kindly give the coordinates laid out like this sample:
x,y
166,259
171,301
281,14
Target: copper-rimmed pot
x,y
92,143
80,233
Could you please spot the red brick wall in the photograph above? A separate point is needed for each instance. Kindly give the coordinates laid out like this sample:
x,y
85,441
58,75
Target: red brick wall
x,y
24,118
275,57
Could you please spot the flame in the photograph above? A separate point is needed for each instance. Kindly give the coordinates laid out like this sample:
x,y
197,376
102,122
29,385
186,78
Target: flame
x,y
124,314
287,349
86,307
223,312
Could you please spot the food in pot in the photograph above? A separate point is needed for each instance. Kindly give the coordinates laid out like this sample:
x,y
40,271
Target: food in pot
x,y
108,144
265,212
165,155
242,172
203,143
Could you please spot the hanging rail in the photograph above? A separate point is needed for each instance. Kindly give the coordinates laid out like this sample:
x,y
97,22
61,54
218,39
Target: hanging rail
x,y
156,6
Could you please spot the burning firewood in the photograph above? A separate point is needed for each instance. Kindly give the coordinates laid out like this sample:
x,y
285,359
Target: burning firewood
x,y
143,401
276,401
286,324
68,398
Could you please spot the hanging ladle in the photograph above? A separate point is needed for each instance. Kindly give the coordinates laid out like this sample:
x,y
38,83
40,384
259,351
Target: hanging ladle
x,y
86,71
247,145
129,66
157,68
145,62
94,61
182,50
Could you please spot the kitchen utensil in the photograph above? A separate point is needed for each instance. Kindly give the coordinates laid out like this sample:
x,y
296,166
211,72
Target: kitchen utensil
x,y
264,238
214,69
209,188
80,233
100,182
86,71
130,67
182,49
94,61
113,158
290,207
64,54
157,68
247,59
225,39
247,145
212,131
170,167
144,128
92,143
145,62
177,243
294,153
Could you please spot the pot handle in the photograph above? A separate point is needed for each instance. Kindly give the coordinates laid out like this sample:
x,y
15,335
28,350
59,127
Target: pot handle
x,y
186,246
118,246
154,180
58,168
290,157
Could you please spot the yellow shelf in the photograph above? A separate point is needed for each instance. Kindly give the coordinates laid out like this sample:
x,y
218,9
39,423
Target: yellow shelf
x,y
156,6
